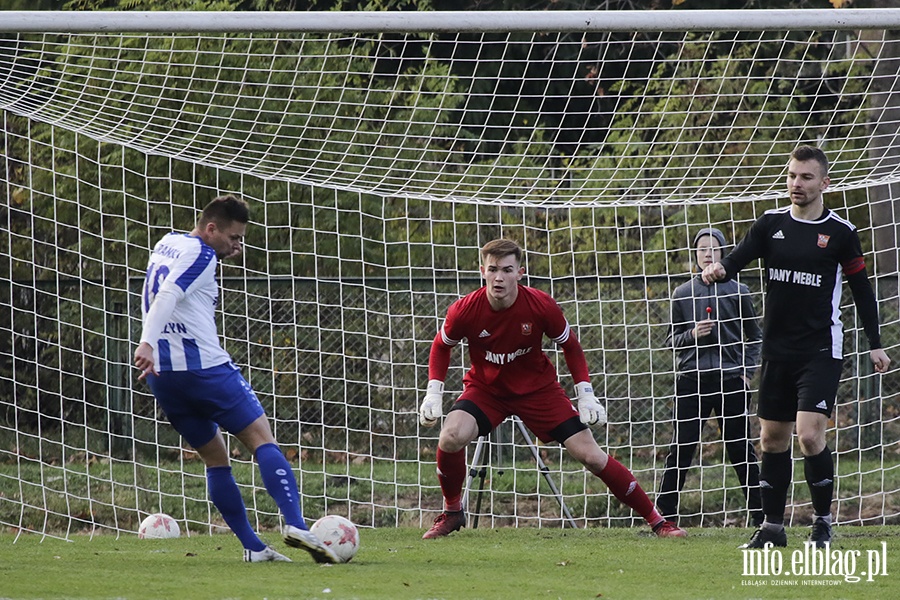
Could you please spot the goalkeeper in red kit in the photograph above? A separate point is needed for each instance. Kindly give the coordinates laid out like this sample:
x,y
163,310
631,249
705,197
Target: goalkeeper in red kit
x,y
504,323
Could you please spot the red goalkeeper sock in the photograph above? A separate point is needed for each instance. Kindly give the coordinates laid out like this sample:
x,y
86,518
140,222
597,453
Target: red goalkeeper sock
x,y
451,470
624,486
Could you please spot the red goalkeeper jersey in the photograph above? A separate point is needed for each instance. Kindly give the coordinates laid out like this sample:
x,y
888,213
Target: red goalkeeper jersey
x,y
505,347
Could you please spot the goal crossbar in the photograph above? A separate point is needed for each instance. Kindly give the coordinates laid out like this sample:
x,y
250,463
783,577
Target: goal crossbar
x,y
449,21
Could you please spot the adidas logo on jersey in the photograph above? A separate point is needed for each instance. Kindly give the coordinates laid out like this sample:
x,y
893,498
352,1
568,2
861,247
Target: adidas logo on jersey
x,y
484,333
778,235
822,404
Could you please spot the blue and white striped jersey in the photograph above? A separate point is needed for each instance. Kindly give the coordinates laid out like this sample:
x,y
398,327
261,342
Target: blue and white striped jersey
x,y
178,305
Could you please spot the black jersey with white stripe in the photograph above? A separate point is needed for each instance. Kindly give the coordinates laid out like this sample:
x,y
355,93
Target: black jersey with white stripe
x,y
804,262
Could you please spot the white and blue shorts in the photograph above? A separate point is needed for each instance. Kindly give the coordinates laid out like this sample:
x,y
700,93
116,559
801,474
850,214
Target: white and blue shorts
x,y
198,402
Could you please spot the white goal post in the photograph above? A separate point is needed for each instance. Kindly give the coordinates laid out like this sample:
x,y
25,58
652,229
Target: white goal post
x,y
378,152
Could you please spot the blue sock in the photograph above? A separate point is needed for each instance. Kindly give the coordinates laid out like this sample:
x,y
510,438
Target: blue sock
x,y
280,483
224,493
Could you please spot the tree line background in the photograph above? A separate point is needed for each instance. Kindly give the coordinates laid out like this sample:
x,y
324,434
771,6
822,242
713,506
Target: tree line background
x,y
51,236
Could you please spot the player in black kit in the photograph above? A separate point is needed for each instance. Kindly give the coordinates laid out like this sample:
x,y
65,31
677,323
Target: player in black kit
x,y
805,249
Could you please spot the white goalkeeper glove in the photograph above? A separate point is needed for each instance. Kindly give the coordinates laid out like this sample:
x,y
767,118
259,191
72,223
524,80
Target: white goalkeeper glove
x,y
590,410
432,406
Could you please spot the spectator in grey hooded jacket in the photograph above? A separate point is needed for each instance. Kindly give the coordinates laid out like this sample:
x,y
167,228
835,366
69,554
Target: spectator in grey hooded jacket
x,y
717,337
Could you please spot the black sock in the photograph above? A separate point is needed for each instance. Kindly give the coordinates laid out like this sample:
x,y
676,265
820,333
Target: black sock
x,y
775,472
819,470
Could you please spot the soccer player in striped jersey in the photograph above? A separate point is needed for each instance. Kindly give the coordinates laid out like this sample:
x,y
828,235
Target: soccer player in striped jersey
x,y
504,323
200,389
806,250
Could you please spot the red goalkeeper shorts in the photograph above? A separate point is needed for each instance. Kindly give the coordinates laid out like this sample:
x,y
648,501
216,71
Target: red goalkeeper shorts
x,y
549,413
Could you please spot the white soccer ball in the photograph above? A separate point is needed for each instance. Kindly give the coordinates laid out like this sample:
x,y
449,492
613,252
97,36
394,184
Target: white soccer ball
x,y
158,526
339,534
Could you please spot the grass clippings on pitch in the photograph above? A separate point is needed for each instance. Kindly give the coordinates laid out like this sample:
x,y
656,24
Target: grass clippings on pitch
x,y
617,563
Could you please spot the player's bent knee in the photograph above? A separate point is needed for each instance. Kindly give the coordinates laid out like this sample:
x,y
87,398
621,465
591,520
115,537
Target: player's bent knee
x,y
214,453
774,447
459,429
453,441
595,466
256,434
811,444
775,442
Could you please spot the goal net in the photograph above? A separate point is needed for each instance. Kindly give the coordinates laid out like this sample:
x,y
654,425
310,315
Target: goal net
x,y
378,152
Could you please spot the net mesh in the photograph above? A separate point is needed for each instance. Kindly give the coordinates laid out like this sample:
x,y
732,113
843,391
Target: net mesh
x,y
376,165
535,119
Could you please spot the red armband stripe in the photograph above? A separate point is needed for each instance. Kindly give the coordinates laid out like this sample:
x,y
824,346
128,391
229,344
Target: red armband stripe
x,y
854,266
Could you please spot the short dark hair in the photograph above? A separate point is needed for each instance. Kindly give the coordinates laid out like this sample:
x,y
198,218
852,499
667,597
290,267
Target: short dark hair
x,y
804,153
500,248
225,210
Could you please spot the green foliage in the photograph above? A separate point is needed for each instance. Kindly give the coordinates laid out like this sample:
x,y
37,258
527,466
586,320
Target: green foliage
x,y
150,5
94,200
716,104
32,5
374,5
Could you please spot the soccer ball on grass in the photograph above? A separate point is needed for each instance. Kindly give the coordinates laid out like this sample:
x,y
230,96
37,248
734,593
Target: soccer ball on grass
x,y
339,534
158,526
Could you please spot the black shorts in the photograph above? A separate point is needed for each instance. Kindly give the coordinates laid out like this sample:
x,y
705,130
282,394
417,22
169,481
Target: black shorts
x,y
789,386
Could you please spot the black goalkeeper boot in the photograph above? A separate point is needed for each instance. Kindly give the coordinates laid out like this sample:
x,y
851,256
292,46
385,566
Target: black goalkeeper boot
x,y
764,535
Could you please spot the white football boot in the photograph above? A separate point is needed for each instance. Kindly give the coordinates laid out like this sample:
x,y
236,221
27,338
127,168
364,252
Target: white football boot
x,y
305,540
267,554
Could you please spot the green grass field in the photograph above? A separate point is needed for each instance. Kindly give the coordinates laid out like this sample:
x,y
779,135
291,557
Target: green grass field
x,y
394,563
